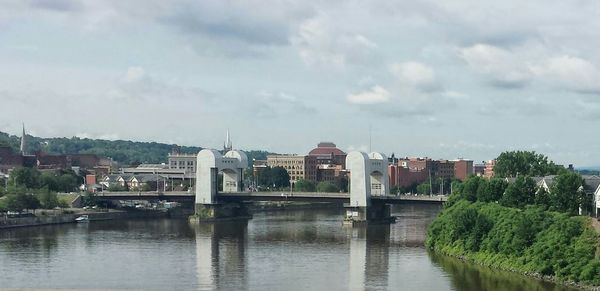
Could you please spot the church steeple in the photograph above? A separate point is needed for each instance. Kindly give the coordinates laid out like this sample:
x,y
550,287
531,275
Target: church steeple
x,y
23,142
227,145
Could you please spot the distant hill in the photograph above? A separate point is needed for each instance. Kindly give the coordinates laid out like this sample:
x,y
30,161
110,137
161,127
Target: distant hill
x,y
122,151
589,171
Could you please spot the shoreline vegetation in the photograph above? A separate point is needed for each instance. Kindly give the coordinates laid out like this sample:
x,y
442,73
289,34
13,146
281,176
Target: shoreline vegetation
x,y
520,226
542,244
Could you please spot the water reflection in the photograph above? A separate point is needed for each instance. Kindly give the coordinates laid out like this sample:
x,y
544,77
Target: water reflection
x,y
469,277
369,257
221,255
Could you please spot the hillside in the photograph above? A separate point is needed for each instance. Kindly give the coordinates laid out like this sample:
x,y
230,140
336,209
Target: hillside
x,y
122,151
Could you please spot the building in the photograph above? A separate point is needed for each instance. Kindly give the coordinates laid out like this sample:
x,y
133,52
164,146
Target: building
x,y
479,169
330,163
489,169
324,163
326,153
402,176
258,166
463,169
138,182
330,173
444,169
10,160
591,187
298,167
185,162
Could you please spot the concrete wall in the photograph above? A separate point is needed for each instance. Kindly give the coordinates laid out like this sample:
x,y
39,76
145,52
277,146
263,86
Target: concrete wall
x,y
38,220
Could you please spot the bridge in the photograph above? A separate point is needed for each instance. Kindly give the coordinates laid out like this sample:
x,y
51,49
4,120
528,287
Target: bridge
x,y
367,201
269,196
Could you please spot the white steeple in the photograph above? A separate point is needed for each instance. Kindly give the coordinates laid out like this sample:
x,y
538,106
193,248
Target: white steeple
x,y
227,146
23,142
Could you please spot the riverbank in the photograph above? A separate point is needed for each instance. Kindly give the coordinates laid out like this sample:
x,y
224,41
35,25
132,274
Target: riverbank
x,y
542,244
61,217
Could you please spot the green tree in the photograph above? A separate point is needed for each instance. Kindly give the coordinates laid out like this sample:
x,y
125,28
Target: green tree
x,y
520,193
48,180
67,183
20,201
304,186
566,193
117,188
326,186
263,177
48,199
280,177
542,198
492,190
89,199
472,187
528,163
27,177
424,188
342,184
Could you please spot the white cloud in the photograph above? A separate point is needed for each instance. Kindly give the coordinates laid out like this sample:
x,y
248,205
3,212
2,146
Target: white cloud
x,y
415,74
533,62
320,42
504,67
376,95
578,74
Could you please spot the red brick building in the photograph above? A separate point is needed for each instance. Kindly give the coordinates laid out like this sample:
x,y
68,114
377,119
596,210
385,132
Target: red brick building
x,y
463,169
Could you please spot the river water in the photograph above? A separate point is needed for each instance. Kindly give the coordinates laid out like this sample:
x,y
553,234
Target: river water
x,y
285,250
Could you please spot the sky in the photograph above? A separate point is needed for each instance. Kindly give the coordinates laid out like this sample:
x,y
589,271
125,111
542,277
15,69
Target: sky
x,y
443,79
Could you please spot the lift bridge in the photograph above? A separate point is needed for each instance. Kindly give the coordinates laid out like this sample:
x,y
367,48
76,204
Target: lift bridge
x,y
369,199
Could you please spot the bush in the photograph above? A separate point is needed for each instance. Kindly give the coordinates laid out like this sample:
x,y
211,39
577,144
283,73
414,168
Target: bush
x,y
304,186
327,187
529,240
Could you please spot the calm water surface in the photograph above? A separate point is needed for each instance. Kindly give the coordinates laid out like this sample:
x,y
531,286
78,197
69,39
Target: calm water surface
x,y
294,250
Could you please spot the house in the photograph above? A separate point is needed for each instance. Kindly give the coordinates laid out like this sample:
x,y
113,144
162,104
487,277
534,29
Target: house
x,y
592,188
141,182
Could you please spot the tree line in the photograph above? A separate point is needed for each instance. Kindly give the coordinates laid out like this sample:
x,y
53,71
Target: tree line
x,y
520,226
28,188
122,151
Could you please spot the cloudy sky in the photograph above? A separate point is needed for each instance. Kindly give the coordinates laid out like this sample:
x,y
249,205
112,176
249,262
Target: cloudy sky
x,y
444,79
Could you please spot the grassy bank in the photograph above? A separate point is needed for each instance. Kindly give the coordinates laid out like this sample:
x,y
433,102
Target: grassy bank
x,y
529,241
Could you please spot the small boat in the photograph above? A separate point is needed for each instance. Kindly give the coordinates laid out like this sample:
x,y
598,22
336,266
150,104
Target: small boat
x,y
83,218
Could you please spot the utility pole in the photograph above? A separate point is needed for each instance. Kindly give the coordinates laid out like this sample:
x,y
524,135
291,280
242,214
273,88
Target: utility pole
x,y
430,184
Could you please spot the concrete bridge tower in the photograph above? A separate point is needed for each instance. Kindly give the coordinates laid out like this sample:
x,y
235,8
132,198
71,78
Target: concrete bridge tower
x,y
368,177
209,163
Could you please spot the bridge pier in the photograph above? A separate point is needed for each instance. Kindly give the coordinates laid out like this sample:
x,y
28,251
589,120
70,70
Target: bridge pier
x,y
368,177
209,163
219,211
376,213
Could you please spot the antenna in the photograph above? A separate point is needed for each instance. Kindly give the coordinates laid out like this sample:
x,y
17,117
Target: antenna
x,y
370,150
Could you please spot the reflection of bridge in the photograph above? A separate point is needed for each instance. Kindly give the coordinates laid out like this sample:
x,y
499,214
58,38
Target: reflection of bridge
x,y
268,196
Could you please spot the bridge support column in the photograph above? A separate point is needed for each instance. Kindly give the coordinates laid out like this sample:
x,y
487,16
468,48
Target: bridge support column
x,y
220,211
368,177
376,213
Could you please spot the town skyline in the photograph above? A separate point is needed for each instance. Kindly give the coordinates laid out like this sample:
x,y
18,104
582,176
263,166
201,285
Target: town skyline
x,y
437,79
228,145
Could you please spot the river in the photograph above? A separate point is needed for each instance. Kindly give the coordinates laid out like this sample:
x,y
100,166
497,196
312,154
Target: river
x,y
284,250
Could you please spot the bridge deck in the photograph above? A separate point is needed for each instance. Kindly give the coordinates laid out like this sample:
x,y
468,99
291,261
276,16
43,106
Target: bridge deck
x,y
271,196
